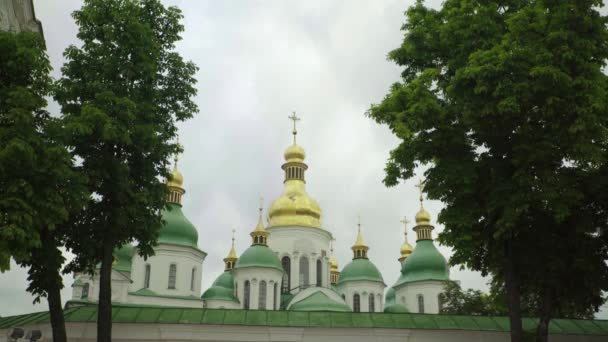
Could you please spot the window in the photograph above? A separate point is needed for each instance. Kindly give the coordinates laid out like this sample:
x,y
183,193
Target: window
x,y
274,297
192,279
319,272
420,303
262,296
85,291
372,304
356,303
147,277
304,270
344,297
247,290
440,302
286,283
172,275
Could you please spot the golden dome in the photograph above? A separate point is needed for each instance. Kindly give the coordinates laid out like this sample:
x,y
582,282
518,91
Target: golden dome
x,y
406,250
294,153
360,248
423,217
175,178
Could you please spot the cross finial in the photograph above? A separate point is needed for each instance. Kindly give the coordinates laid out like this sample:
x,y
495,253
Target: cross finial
x,y
420,187
359,222
233,232
331,245
176,157
261,204
405,221
294,118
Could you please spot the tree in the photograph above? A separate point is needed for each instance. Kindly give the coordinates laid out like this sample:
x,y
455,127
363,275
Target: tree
x,y
40,190
121,93
457,301
505,102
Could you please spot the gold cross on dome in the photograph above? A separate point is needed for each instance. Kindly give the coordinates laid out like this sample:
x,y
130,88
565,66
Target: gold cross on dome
x,y
294,118
405,221
420,187
261,203
233,232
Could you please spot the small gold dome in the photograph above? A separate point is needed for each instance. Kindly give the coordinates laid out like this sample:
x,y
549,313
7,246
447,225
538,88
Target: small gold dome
x,y
175,179
423,217
406,250
333,263
294,153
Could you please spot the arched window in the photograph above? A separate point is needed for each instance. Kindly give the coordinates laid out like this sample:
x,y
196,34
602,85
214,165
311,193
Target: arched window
x,y
147,276
286,284
304,270
262,296
172,276
192,279
420,303
274,297
85,291
246,295
372,303
440,302
356,303
319,272
344,297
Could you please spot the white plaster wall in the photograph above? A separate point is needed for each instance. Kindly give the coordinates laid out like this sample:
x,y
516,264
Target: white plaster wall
x,y
165,301
185,258
297,242
408,295
255,275
124,332
364,288
120,287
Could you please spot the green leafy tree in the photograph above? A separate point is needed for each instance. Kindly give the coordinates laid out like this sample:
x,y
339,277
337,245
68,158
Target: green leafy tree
x,y
505,103
40,190
121,93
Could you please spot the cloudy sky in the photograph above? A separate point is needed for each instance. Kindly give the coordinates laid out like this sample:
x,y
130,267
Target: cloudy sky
x,y
259,61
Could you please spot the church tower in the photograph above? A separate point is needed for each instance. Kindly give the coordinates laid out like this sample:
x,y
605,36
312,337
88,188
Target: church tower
x,y
294,225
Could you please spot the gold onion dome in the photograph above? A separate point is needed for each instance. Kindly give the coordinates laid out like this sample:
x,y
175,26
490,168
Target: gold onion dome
x,y
423,217
333,263
360,248
176,179
294,207
406,250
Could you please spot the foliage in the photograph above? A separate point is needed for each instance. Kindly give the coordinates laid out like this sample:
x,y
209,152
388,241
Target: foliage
x,y
121,93
40,190
505,102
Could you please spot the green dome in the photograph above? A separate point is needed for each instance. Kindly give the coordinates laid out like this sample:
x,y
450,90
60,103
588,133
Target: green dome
x,y
123,257
360,269
390,303
425,263
222,288
177,230
319,301
259,256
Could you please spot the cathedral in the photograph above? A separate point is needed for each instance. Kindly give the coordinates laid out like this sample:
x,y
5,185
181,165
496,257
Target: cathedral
x,y
290,264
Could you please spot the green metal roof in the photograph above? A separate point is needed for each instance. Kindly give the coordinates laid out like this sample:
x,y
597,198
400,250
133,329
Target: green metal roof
x,y
222,288
168,315
177,229
360,269
149,293
123,257
319,301
390,303
259,256
425,263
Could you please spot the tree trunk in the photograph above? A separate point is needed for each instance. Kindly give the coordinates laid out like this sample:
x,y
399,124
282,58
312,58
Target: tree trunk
x,y
56,312
542,333
513,295
104,307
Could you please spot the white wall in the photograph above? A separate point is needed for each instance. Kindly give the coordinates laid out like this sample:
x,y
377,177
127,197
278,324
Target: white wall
x,y
408,295
185,259
255,275
298,242
364,288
